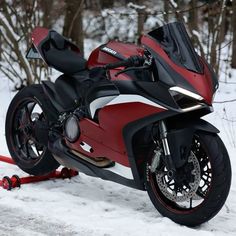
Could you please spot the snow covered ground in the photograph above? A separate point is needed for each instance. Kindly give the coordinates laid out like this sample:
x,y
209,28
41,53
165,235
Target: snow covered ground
x,y
87,206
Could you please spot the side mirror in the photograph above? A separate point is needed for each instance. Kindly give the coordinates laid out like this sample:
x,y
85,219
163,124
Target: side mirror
x,y
33,53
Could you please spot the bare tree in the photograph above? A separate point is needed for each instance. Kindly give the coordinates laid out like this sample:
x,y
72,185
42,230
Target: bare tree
x,y
233,63
17,19
216,23
193,15
73,25
166,10
46,9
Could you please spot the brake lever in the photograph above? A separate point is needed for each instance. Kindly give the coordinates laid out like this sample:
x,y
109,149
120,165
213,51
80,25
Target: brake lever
x,y
132,68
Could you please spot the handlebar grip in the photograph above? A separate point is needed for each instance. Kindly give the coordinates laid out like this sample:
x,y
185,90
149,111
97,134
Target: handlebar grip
x,y
131,61
117,64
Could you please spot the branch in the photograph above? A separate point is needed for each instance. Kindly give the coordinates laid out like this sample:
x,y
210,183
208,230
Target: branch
x,y
22,60
226,101
4,69
11,66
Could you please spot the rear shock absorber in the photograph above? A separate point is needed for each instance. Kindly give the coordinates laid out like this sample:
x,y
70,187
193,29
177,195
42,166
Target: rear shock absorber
x,y
167,158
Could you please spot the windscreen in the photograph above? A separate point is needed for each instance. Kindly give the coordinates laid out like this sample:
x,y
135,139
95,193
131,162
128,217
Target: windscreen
x,y
175,41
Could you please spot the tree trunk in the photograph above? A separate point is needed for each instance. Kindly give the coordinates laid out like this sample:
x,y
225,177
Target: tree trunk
x,y
166,10
73,25
141,18
193,16
233,64
106,3
47,8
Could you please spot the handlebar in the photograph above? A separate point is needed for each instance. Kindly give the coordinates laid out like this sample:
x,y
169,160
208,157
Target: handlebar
x,y
134,61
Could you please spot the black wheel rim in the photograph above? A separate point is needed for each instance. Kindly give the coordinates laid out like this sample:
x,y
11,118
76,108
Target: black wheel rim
x,y
26,147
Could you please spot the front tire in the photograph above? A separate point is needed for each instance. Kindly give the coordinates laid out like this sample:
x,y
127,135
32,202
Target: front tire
x,y
211,193
27,107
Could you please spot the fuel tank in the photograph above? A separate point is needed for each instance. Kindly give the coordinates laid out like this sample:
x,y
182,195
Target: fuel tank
x,y
111,52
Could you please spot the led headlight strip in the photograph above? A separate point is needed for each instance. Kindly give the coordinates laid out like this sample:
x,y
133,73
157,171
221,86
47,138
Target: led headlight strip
x,y
186,92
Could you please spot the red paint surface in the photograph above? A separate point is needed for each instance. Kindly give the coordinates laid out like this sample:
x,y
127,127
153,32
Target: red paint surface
x,y
106,138
99,58
39,34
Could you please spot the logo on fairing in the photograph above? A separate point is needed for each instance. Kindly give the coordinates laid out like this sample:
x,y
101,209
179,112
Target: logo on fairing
x,y
106,49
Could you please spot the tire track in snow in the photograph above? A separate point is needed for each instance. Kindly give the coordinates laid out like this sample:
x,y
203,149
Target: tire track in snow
x,y
15,222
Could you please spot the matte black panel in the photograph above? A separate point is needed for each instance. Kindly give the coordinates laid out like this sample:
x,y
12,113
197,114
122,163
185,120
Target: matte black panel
x,y
64,157
159,91
153,91
101,89
72,89
50,91
128,133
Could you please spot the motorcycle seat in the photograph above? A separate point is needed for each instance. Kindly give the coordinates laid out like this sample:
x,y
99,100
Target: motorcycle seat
x,y
62,55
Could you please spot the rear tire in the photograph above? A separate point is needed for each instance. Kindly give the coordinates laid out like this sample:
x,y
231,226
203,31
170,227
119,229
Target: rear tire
x,y
28,105
213,197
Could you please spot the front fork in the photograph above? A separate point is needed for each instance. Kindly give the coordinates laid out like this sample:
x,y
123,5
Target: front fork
x,y
167,157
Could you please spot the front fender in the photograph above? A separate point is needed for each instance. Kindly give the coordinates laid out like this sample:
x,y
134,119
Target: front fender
x,y
180,139
203,125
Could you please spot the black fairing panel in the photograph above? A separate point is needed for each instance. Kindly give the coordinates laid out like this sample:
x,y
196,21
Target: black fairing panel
x,y
50,91
71,89
68,91
156,92
159,91
104,88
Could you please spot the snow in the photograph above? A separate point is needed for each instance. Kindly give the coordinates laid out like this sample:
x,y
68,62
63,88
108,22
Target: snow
x,y
89,206
135,6
196,33
174,4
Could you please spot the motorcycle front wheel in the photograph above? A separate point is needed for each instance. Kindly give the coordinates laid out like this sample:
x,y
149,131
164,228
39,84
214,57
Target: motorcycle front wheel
x,y
198,190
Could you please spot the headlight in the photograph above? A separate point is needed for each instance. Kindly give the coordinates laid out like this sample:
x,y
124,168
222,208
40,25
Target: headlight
x,y
185,99
186,92
72,130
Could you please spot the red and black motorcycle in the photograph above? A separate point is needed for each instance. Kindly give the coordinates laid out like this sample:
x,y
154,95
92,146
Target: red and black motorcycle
x,y
137,106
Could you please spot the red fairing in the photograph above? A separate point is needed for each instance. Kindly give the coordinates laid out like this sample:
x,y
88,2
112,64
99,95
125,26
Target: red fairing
x,y
201,82
106,138
100,58
38,35
126,49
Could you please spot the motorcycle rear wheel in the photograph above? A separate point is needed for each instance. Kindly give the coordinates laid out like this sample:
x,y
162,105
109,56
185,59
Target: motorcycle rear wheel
x,y
29,105
212,189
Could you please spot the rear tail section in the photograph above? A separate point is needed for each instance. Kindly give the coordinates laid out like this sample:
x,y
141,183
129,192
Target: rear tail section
x,y
57,51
